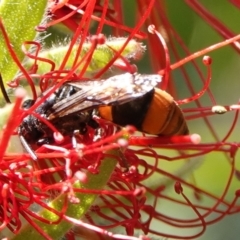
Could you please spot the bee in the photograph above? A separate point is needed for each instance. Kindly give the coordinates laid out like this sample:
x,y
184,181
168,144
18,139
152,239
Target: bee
x,y
125,99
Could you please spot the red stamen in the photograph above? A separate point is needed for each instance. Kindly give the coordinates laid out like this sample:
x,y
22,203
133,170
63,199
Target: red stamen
x,y
12,122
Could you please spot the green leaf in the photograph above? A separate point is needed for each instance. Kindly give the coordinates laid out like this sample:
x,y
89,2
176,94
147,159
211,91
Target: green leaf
x,y
19,17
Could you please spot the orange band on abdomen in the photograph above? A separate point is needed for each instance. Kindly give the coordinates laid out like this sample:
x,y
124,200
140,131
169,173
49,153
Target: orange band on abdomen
x,y
158,112
106,113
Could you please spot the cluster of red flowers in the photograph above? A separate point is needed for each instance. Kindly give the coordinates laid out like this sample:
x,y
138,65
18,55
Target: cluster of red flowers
x,y
151,186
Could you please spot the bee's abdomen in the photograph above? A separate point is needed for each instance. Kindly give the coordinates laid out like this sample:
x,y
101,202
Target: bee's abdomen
x,y
154,113
164,117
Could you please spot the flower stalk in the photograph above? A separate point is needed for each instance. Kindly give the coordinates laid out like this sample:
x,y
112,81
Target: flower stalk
x,y
102,55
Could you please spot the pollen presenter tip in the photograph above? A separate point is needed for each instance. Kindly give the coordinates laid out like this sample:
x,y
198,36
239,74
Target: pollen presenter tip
x,y
20,93
195,138
58,137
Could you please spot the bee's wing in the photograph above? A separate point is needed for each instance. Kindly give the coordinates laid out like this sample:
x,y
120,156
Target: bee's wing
x,y
114,90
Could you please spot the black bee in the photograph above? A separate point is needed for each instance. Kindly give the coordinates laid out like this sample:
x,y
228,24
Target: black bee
x,y
126,99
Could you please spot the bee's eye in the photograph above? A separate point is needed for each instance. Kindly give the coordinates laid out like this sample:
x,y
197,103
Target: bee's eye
x,y
28,103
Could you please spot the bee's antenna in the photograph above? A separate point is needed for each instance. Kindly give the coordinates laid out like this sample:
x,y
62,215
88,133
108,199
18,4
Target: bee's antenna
x,y
3,90
27,147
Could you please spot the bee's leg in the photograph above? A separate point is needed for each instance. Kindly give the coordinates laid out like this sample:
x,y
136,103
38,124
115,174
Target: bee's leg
x,y
74,139
98,130
123,160
98,134
77,139
45,140
78,135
